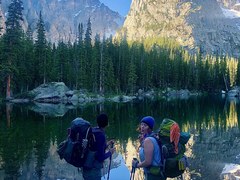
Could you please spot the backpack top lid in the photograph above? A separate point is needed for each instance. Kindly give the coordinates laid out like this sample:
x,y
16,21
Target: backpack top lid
x,y
79,122
79,128
170,130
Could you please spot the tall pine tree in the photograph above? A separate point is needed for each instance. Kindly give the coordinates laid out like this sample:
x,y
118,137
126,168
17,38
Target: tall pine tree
x,y
12,41
40,50
96,67
1,18
88,53
81,76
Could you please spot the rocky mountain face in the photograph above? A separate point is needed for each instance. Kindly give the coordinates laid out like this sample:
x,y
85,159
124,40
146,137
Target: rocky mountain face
x,y
62,17
209,25
213,26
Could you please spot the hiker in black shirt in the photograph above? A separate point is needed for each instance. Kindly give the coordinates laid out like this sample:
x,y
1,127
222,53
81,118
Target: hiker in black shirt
x,y
100,146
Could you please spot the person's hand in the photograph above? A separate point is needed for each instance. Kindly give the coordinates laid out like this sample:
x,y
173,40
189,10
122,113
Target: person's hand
x,y
110,143
112,150
135,163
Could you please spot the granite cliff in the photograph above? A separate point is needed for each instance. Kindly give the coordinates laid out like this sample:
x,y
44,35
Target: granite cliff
x,y
209,25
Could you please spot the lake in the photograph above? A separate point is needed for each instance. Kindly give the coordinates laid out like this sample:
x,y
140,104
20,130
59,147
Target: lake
x,y
29,136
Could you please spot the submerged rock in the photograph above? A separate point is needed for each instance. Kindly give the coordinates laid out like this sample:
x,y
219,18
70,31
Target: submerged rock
x,y
47,109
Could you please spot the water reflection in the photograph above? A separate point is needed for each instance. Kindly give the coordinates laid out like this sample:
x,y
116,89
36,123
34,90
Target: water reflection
x,y
28,140
232,117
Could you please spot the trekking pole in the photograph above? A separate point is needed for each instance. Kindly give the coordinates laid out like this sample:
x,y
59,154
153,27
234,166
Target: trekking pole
x,y
131,175
109,167
110,159
134,169
181,177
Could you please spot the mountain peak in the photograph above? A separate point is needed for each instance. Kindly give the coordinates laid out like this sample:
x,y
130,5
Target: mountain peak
x,y
193,24
61,17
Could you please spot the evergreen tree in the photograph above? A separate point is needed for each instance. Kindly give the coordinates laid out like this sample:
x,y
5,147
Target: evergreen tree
x,y
80,33
69,77
102,66
50,66
132,77
82,71
61,64
0,18
198,71
53,74
29,33
108,68
122,64
2,73
75,65
206,76
114,53
1,48
12,41
40,50
88,37
176,65
216,74
96,67
109,82
88,54
26,67
156,68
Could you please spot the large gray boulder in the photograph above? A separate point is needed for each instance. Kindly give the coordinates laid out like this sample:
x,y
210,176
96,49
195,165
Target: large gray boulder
x,y
51,92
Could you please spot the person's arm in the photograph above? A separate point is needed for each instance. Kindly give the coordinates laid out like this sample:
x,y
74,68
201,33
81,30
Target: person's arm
x,y
101,146
148,153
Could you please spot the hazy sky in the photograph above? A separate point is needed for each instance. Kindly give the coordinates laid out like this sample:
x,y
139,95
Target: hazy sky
x,y
121,6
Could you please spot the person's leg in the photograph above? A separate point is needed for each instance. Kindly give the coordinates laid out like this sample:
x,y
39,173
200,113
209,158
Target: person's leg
x,y
91,174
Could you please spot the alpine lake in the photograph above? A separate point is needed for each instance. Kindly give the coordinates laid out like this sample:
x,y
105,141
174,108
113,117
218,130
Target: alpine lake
x,y
30,133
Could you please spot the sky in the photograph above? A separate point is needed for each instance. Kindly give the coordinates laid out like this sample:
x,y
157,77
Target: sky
x,y
121,6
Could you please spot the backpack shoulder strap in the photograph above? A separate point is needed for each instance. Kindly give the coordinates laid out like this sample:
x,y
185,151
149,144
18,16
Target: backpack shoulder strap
x,y
87,132
96,130
153,135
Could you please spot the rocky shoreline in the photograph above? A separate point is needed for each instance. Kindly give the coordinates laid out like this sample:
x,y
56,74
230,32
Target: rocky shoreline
x,y
58,92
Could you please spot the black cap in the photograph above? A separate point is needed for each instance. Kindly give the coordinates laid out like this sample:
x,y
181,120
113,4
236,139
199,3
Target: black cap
x,y
102,120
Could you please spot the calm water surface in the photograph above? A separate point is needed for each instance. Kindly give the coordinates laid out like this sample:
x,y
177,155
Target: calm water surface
x,y
28,139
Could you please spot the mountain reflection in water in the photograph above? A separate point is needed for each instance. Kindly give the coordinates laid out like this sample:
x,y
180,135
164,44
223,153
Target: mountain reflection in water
x,y
28,138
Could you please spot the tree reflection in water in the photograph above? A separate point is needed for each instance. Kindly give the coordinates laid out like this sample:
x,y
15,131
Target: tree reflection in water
x,y
28,140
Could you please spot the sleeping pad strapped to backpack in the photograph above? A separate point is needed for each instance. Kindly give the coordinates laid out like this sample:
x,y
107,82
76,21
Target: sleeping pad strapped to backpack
x,y
172,147
75,148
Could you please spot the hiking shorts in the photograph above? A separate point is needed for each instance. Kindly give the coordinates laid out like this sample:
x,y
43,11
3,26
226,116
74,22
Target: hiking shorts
x,y
92,174
149,176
